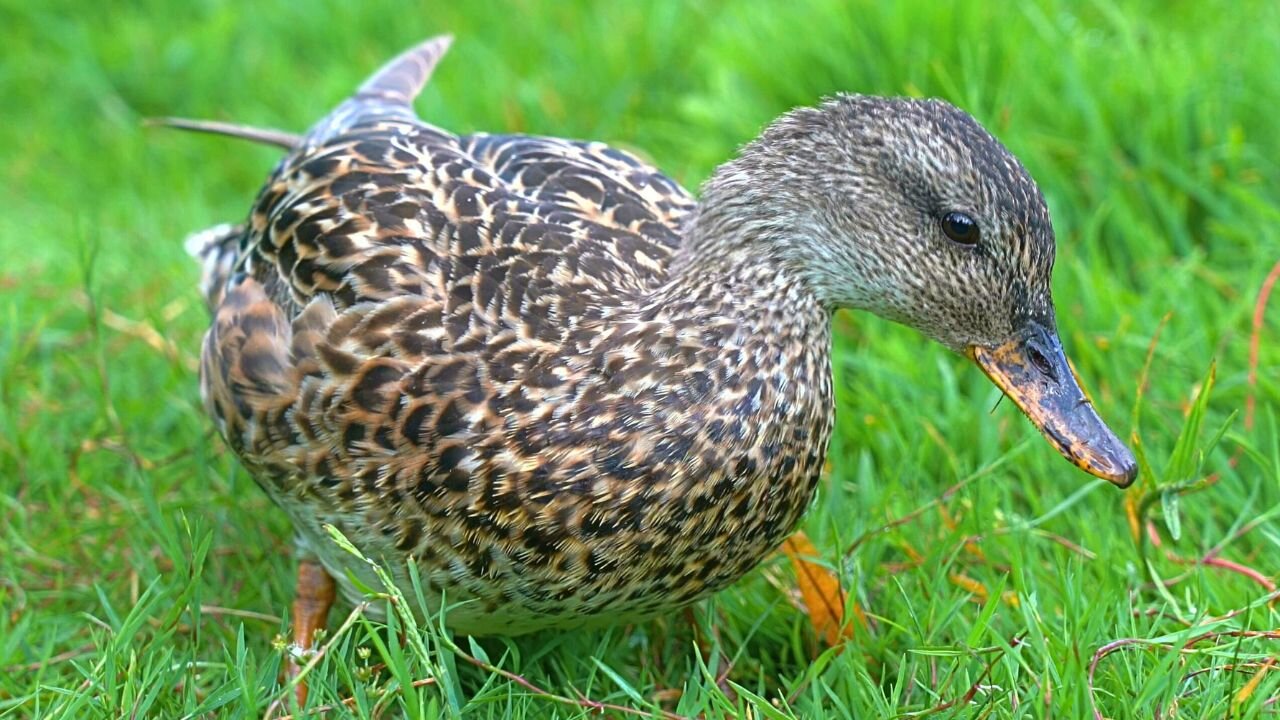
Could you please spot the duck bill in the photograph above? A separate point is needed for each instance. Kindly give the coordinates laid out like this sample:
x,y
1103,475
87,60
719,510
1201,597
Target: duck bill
x,y
1033,372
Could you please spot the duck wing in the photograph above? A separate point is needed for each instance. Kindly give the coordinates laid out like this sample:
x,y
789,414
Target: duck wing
x,y
391,272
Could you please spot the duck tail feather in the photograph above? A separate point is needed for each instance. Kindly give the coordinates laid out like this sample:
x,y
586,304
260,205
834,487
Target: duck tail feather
x,y
265,136
399,81
218,251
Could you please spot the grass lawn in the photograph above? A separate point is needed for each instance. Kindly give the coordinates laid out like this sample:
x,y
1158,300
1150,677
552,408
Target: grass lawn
x,y
143,574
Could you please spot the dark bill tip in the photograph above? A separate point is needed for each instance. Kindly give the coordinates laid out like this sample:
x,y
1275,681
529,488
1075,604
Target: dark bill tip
x,y
1034,373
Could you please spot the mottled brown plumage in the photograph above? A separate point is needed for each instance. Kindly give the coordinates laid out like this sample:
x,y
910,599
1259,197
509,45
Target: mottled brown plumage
x,y
544,372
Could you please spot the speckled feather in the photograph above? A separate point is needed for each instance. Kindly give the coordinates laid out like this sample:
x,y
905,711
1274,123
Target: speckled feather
x,y
537,368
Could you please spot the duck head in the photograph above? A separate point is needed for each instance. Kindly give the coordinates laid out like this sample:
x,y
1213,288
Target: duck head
x,y
911,210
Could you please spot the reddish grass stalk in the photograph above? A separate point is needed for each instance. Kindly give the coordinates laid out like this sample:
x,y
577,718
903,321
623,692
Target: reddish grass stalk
x,y
1145,644
1255,340
972,692
581,702
349,702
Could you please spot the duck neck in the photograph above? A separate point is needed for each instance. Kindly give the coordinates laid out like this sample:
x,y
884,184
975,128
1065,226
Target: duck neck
x,y
764,339
730,271
750,227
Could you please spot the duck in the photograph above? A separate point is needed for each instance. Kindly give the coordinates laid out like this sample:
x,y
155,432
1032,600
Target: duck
x,y
565,390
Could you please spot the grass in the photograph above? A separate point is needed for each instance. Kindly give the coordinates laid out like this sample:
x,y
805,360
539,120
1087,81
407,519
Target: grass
x,y
142,573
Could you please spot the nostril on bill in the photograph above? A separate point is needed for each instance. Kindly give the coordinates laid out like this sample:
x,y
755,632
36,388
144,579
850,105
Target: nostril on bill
x,y
1041,362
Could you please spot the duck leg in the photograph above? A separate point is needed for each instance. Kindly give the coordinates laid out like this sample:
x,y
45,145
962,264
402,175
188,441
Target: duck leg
x,y
312,599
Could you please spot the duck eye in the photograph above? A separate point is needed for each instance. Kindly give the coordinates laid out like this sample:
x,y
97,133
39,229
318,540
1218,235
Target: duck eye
x,y
960,227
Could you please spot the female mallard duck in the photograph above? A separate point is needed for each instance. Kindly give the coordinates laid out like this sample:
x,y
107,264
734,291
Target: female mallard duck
x,y
566,389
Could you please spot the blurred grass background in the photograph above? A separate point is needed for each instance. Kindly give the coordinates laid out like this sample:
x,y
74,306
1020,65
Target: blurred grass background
x,y
143,574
